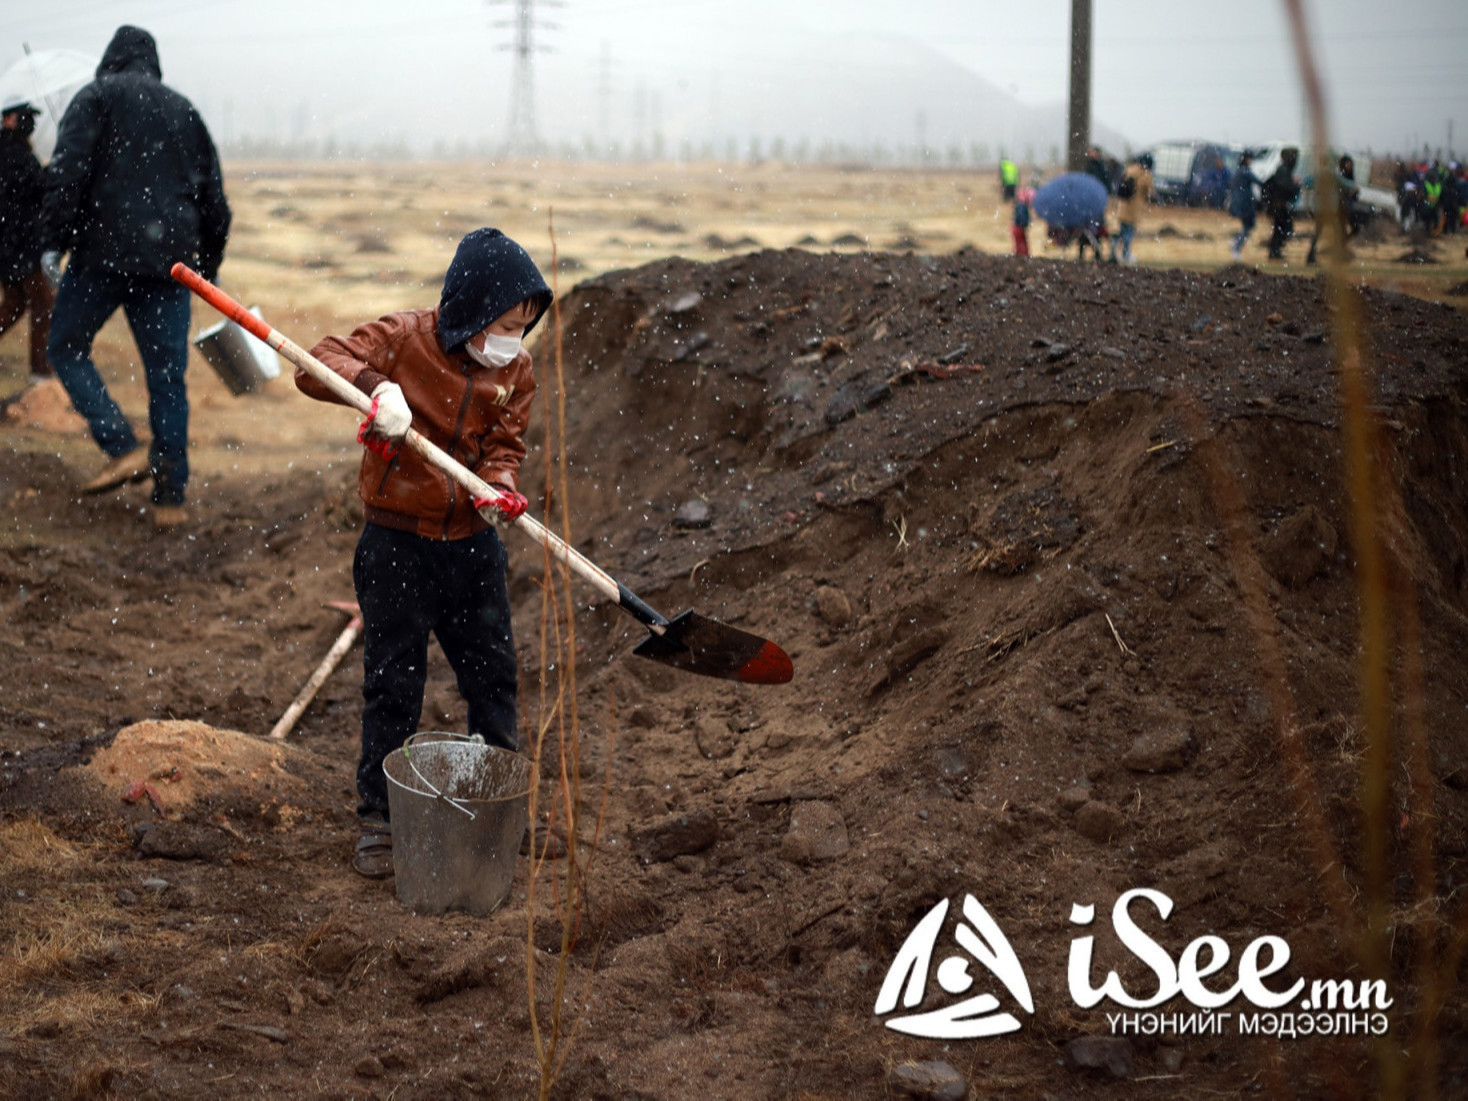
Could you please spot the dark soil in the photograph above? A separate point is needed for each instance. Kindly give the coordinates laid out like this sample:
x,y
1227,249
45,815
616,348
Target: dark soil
x,y
977,501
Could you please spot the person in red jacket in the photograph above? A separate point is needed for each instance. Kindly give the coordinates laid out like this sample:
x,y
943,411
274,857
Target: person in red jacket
x,y
1021,227
429,560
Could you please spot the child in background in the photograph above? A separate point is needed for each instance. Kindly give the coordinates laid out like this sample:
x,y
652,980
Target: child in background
x,y
428,561
1021,227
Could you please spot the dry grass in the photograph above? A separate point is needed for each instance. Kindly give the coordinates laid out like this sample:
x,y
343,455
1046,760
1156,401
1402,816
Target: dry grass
x,y
57,942
27,847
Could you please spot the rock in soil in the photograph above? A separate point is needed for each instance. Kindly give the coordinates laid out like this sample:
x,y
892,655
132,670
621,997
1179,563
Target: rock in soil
x,y
1302,548
1098,821
1073,799
817,832
693,514
833,606
1166,750
180,841
931,1081
1101,1054
676,835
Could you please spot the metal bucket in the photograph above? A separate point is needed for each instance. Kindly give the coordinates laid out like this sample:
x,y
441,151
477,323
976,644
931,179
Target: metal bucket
x,y
244,362
425,736
458,811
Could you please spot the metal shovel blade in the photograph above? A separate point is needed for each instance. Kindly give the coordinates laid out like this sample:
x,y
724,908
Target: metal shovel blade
x,y
696,644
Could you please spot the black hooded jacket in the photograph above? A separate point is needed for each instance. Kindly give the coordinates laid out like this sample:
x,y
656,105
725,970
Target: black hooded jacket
x,y
134,185
489,274
20,207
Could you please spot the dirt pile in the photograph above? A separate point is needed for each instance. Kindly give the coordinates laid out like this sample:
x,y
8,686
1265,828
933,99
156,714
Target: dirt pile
x,y
975,499
173,763
44,405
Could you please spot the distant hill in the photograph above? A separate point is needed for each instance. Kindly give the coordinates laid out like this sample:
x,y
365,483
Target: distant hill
x,y
861,91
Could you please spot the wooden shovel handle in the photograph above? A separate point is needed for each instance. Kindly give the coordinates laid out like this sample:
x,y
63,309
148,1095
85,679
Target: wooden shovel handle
x,y
476,485
344,642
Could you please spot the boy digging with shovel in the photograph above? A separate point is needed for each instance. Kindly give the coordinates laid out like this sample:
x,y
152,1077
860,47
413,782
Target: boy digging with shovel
x,y
428,561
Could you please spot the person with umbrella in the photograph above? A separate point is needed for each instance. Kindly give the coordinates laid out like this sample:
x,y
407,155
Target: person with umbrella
x,y
1073,206
23,287
134,187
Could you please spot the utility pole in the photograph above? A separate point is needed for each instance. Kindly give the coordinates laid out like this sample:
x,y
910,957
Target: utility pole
x,y
1078,135
524,139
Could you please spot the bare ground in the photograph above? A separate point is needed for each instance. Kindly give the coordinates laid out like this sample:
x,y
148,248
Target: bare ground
x,y
972,498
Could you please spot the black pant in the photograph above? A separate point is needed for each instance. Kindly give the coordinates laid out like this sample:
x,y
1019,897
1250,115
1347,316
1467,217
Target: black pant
x,y
1284,229
409,587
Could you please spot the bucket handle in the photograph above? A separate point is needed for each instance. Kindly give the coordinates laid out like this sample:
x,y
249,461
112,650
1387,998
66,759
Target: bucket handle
x,y
450,800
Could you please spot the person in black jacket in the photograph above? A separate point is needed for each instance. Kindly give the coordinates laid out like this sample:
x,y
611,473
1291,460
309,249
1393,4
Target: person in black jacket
x,y
1279,193
134,186
22,285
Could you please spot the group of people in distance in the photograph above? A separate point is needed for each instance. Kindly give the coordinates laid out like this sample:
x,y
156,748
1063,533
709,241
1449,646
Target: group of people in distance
x,y
1431,196
1277,195
1131,187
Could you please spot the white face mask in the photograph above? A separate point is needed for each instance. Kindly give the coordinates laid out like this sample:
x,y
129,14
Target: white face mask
x,y
498,351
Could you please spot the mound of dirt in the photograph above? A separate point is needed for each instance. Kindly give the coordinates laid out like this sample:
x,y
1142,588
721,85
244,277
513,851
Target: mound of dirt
x,y
45,405
1064,559
175,762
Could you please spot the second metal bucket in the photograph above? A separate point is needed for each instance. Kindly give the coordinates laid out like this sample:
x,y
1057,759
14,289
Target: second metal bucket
x,y
241,360
459,811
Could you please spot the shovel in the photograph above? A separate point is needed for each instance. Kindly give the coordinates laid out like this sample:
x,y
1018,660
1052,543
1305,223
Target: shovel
x,y
689,641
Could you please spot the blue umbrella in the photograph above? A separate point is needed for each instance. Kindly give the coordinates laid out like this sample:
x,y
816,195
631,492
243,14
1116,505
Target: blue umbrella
x,y
1072,201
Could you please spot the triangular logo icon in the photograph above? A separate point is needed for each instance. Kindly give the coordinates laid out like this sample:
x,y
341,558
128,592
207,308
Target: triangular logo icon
x,y
981,938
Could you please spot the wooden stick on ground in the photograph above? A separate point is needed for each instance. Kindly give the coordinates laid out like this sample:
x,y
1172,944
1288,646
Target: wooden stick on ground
x,y
345,641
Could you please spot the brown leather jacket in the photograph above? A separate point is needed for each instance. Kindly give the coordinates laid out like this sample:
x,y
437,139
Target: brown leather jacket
x,y
477,414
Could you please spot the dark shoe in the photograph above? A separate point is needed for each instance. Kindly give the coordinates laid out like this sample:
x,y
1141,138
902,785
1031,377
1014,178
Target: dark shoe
x,y
373,858
168,517
550,844
132,467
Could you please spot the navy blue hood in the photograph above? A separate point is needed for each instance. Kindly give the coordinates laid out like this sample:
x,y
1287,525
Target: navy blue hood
x,y
132,49
489,275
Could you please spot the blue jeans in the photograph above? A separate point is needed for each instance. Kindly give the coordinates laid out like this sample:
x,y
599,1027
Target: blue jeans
x,y
1246,227
1124,240
157,310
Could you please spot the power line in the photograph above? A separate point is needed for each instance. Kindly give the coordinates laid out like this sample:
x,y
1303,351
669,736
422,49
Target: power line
x,y
524,139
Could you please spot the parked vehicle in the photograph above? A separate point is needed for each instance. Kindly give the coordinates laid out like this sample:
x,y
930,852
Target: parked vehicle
x,y
1193,173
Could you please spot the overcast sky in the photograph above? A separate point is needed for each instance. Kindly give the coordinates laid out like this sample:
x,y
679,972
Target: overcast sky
x,y
433,70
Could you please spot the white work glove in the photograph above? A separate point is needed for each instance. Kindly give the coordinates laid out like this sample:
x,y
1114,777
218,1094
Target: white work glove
x,y
393,416
51,268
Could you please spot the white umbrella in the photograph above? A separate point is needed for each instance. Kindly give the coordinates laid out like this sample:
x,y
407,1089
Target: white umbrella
x,y
48,79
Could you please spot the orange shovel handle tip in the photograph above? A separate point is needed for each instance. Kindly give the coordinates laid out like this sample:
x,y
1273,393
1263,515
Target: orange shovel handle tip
x,y
221,302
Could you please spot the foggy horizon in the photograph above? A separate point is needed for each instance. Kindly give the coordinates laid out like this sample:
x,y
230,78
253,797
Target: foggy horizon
x,y
932,83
